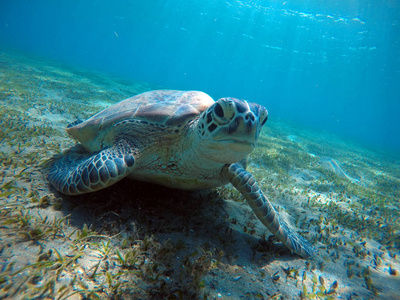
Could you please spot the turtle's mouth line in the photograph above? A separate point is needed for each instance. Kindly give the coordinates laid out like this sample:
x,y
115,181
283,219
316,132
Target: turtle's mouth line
x,y
239,142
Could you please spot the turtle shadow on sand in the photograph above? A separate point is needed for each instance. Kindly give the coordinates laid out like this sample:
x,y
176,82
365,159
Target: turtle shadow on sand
x,y
194,222
140,208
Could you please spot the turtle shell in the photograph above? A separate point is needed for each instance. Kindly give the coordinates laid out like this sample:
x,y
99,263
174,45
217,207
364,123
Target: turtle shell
x,y
164,107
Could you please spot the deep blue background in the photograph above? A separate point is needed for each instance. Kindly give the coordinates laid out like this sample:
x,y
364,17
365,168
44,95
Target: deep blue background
x,y
334,65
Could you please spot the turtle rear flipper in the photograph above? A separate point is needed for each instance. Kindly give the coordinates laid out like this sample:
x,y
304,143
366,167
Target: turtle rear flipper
x,y
77,174
245,183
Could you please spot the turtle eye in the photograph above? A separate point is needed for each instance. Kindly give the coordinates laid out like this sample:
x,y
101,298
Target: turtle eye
x,y
218,110
223,110
263,116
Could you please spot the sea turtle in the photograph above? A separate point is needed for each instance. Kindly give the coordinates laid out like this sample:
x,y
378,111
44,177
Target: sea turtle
x,y
179,139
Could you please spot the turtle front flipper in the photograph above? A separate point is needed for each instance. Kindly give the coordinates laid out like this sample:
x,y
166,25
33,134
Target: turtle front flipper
x,y
245,183
77,174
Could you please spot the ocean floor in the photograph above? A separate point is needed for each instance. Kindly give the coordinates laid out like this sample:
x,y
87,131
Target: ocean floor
x,y
142,241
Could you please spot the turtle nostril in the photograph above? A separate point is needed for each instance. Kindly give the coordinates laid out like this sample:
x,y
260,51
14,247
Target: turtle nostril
x,y
250,117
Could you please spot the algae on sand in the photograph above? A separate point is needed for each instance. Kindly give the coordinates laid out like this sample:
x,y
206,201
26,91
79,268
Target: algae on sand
x,y
163,243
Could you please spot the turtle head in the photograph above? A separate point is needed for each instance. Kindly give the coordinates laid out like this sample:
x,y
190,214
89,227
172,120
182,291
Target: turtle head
x,y
229,129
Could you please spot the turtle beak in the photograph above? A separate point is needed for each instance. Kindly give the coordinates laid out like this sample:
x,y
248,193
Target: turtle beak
x,y
242,130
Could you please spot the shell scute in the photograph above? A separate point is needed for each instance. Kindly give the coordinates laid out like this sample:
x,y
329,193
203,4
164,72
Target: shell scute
x,y
163,107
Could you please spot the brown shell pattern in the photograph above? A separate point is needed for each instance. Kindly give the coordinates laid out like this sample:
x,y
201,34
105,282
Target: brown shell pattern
x,y
167,107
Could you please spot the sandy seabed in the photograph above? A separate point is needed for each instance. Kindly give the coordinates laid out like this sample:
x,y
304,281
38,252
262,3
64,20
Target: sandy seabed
x,y
142,241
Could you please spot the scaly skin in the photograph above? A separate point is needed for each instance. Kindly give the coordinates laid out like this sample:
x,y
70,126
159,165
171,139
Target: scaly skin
x,y
245,183
79,174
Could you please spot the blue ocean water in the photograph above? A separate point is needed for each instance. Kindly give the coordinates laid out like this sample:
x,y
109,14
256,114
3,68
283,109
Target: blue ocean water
x,y
332,65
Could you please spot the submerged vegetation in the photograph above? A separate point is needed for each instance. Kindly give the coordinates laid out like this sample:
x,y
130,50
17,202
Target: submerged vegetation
x,y
136,240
